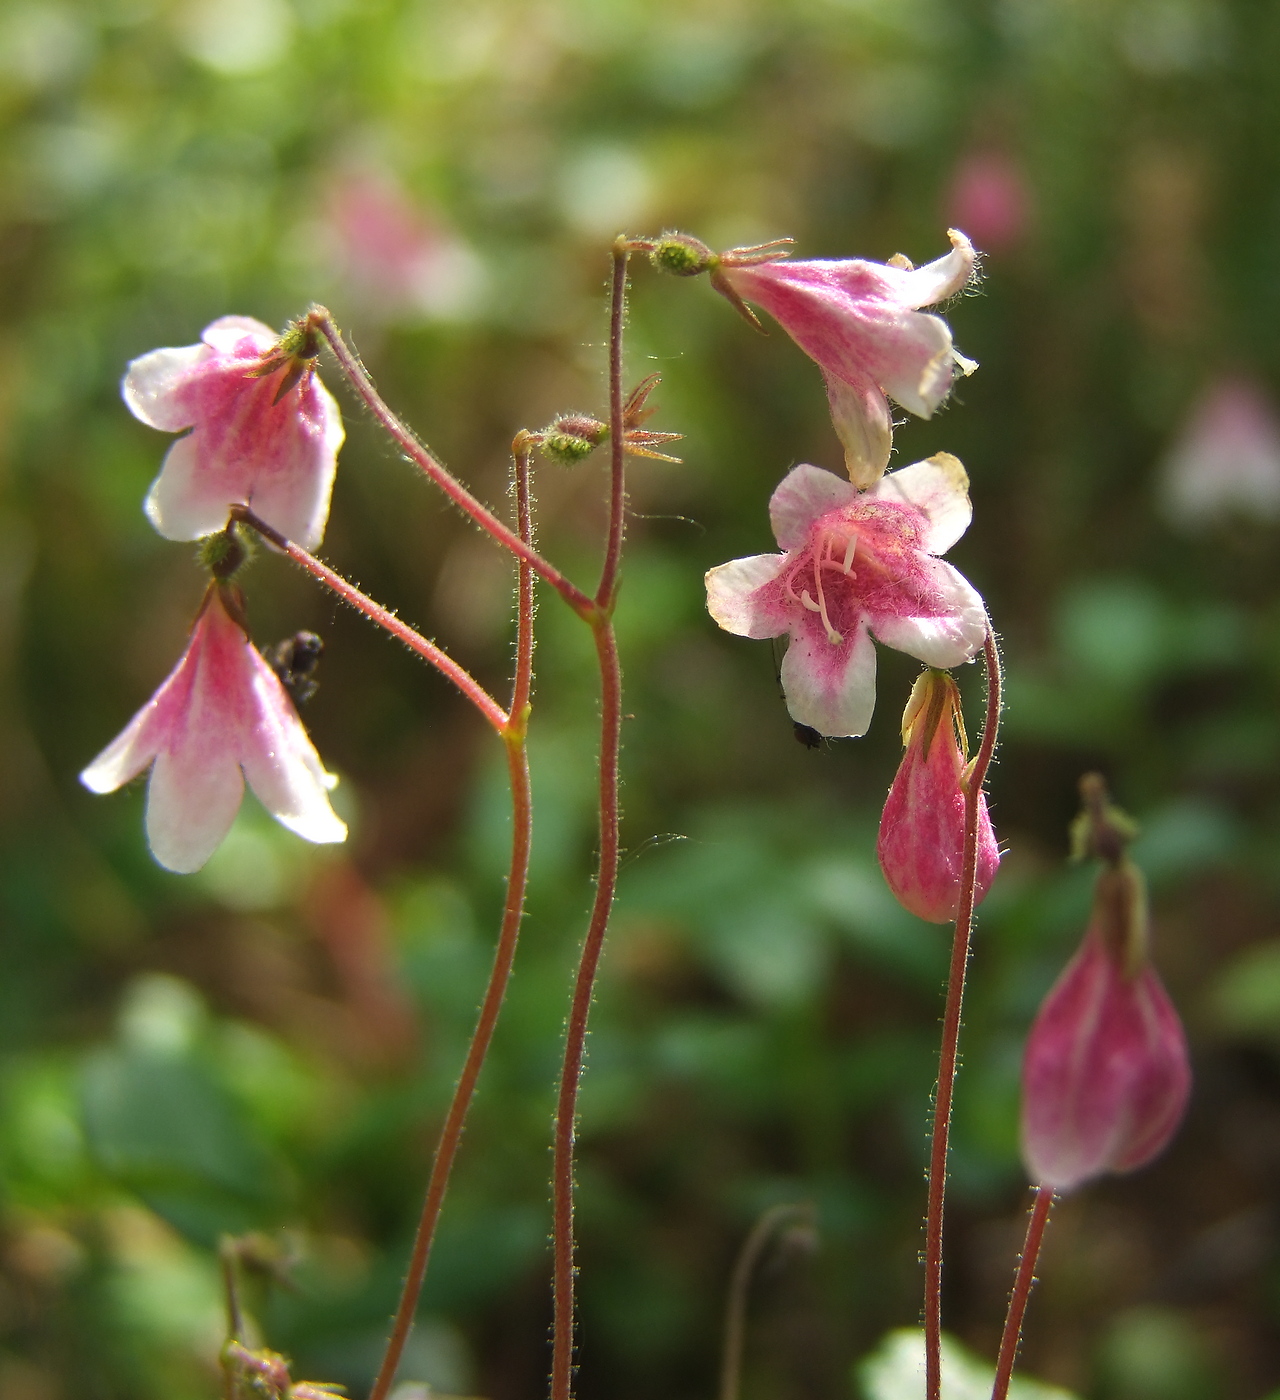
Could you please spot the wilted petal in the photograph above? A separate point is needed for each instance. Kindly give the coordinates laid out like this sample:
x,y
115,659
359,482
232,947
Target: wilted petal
x,y
939,489
733,595
952,634
804,494
864,425
831,689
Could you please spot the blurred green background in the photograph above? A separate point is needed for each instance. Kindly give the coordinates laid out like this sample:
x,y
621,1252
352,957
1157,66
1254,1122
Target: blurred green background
x,y
269,1044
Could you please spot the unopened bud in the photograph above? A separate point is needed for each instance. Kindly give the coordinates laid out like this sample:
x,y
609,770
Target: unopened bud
x,y
571,438
921,841
681,254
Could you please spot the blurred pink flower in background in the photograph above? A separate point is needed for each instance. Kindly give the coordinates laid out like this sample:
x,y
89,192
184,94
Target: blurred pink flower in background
x,y
988,196
1226,460
1106,1076
861,322
856,563
220,717
253,439
395,259
921,841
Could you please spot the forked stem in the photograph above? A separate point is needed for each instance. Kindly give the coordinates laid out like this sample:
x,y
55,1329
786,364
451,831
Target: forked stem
x,y
562,1173
1022,1285
948,1056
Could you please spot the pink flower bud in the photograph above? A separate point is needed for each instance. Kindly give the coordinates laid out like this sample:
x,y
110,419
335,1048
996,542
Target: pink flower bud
x,y
921,843
1105,1078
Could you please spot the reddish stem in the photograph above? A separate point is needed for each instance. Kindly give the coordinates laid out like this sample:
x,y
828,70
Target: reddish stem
x,y
320,319
375,612
1022,1285
951,1030
562,1176
513,734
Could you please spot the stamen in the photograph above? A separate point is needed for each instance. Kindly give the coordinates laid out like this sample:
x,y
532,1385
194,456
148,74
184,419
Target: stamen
x,y
849,552
807,600
833,636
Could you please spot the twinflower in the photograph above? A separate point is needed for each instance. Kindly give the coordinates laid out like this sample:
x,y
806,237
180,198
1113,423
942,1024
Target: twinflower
x,y
221,716
264,431
921,841
856,563
861,321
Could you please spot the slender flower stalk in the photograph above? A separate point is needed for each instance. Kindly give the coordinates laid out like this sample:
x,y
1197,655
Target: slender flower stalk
x,y
562,1174
514,735
319,319
1022,1284
948,1057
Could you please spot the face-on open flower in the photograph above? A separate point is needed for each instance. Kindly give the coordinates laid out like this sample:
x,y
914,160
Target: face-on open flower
x,y
857,563
250,442
921,841
861,322
222,716
1105,1077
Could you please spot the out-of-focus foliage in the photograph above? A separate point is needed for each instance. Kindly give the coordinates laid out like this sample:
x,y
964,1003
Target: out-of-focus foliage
x,y
269,1045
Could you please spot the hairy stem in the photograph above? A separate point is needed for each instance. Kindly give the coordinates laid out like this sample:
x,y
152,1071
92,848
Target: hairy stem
x,y
320,320
948,1057
735,1313
1022,1283
514,737
383,617
562,1170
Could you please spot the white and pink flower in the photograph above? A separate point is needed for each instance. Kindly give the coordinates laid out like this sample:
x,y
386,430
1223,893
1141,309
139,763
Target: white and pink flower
x,y
861,322
857,564
221,716
249,441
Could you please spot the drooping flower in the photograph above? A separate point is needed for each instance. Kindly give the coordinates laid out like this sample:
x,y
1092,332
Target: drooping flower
x,y
857,563
1106,1076
263,433
861,322
1226,461
221,716
921,841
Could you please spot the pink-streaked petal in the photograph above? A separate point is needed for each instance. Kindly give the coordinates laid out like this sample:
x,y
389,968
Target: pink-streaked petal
x,y
189,499
804,494
916,363
733,598
939,488
192,799
281,764
229,334
831,688
292,492
954,633
864,426
942,278
151,385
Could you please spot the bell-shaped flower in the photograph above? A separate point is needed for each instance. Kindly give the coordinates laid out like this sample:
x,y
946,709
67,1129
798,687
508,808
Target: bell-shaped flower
x,y
921,841
263,432
857,563
861,322
221,716
1105,1076
1226,461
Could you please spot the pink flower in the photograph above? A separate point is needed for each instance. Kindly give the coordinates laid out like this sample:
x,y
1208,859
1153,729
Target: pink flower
x,y
1105,1078
921,842
989,197
856,563
1227,459
860,321
221,716
278,457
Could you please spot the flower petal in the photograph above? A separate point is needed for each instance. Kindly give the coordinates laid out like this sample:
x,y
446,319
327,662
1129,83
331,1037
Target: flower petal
x,y
804,494
292,491
192,799
863,425
942,278
951,635
281,764
915,363
939,488
733,594
830,688
189,499
151,383
228,334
